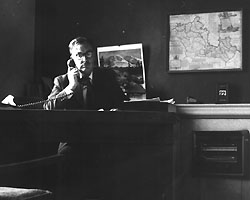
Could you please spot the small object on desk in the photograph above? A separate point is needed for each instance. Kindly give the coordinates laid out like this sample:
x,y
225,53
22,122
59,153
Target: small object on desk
x,y
9,100
191,100
171,101
222,93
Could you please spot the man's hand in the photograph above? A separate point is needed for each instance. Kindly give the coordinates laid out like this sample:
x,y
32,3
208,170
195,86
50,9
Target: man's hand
x,y
73,76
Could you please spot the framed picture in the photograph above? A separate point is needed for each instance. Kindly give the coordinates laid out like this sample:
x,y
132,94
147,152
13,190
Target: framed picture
x,y
210,41
127,62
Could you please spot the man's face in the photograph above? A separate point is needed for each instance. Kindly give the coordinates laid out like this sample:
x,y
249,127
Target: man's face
x,y
84,58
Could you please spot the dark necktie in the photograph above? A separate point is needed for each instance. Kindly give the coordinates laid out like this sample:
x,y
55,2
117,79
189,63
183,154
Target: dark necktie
x,y
87,92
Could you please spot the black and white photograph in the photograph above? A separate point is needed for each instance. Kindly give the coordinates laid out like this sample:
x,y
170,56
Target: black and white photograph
x,y
124,100
127,61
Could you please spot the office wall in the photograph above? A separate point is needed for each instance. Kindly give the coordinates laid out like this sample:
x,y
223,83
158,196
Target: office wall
x,y
118,22
17,19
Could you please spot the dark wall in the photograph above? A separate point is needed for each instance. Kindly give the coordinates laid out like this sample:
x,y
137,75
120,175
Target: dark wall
x,y
117,22
17,26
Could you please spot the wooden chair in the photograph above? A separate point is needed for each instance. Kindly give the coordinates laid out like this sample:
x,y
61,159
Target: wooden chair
x,y
14,192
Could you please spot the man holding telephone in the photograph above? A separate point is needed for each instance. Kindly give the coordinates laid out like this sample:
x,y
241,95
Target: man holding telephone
x,y
72,90
85,86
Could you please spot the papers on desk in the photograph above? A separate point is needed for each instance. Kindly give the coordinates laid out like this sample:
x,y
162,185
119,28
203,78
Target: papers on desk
x,y
154,104
156,99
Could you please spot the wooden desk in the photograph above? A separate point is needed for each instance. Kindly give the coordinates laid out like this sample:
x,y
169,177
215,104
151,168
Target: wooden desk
x,y
135,149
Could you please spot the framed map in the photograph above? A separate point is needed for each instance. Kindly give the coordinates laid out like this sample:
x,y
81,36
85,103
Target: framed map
x,y
205,41
127,62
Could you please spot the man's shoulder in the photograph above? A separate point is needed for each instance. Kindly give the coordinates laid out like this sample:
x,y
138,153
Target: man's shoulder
x,y
61,77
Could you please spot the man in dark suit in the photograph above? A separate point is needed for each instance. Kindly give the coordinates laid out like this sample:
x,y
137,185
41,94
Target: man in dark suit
x,y
72,90
84,86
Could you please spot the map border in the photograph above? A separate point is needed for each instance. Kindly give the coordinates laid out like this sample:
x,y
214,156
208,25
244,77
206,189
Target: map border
x,y
212,69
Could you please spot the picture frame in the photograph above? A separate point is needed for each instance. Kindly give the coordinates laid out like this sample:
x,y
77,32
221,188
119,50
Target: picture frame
x,y
128,63
205,41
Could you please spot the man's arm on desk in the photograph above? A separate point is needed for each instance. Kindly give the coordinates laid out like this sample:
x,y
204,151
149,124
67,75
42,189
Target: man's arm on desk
x,y
59,95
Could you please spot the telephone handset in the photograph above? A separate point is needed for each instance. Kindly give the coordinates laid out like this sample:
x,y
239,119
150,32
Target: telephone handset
x,y
71,63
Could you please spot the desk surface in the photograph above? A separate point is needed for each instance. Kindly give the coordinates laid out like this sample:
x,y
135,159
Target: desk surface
x,y
89,116
118,126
